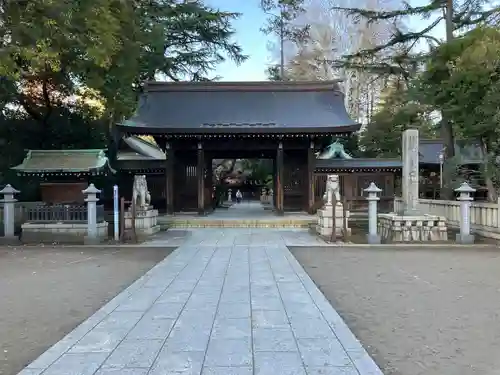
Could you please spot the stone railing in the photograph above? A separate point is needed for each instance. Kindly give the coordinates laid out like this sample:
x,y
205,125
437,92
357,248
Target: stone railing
x,y
20,210
62,213
484,216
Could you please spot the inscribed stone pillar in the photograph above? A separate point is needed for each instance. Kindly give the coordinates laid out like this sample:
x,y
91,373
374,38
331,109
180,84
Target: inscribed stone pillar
x,y
9,203
91,199
410,171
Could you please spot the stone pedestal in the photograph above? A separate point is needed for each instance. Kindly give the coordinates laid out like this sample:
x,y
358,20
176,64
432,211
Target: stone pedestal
x,y
146,221
409,228
265,199
324,226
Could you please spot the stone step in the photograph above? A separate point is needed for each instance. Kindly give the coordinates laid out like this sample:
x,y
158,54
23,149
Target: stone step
x,y
235,223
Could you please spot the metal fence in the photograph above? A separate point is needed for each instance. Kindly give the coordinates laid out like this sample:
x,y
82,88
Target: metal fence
x,y
61,213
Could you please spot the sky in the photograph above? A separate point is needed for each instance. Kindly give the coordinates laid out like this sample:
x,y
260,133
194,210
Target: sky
x,y
255,43
249,36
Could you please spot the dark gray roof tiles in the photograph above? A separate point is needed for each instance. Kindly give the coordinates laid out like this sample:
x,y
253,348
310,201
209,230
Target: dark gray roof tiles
x,y
239,106
358,163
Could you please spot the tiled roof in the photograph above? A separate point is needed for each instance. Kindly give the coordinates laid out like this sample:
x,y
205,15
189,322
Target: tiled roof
x,y
217,106
357,163
69,161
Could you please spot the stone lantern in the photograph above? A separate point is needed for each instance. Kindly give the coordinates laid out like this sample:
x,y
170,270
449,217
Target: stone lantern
x,y
372,190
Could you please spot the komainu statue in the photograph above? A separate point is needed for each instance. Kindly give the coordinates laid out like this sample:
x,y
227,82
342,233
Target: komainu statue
x,y
332,189
140,193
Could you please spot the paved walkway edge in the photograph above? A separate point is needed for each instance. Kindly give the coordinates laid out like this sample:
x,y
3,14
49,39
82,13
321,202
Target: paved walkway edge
x,y
62,346
355,350
358,355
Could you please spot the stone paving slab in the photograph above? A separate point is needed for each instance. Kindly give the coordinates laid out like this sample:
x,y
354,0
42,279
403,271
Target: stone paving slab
x,y
231,301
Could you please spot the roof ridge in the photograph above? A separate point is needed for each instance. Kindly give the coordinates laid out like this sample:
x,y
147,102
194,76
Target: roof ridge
x,y
297,86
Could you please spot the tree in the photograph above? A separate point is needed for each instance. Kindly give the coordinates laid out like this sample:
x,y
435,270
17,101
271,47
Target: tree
x,y
279,23
398,111
51,50
456,16
332,35
463,78
310,62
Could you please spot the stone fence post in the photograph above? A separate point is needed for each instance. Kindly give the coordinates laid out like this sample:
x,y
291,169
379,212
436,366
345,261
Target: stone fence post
x,y
9,213
372,190
91,199
465,236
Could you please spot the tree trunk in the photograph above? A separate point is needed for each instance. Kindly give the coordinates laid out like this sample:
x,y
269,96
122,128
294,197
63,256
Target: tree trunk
x,y
446,125
282,43
490,186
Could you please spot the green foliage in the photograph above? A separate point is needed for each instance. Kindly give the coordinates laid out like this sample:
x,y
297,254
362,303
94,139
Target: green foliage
x,y
281,13
52,49
261,169
403,45
463,79
401,111
273,73
71,69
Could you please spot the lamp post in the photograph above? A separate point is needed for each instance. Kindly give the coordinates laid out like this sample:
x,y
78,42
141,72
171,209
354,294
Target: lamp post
x,y
441,161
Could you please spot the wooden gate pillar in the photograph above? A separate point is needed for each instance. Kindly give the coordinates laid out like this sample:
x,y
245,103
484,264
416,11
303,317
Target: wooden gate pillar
x,y
311,165
169,178
280,192
200,174
208,182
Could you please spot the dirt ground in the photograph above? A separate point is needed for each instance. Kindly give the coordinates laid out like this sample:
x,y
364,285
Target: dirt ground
x,y
417,311
46,292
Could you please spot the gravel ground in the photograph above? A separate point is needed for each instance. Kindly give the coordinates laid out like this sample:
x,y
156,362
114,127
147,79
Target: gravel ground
x,y
417,311
46,292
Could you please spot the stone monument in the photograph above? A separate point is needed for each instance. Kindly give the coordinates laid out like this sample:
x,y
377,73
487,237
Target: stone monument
x,y
146,217
410,224
333,206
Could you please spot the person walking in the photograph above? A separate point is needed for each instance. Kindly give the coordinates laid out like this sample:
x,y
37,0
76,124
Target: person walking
x,y
239,196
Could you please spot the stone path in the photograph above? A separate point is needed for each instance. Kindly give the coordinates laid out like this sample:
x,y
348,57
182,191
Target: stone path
x,y
227,302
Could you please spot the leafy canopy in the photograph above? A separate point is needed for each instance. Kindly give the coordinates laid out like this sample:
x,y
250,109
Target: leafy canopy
x,y
398,112
463,78
51,49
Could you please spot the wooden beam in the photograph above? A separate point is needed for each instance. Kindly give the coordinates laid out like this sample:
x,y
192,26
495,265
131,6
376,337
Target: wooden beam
x,y
279,180
169,178
200,174
311,164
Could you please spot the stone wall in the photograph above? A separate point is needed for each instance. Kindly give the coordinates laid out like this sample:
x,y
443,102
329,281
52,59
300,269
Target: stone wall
x,y
60,232
484,216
